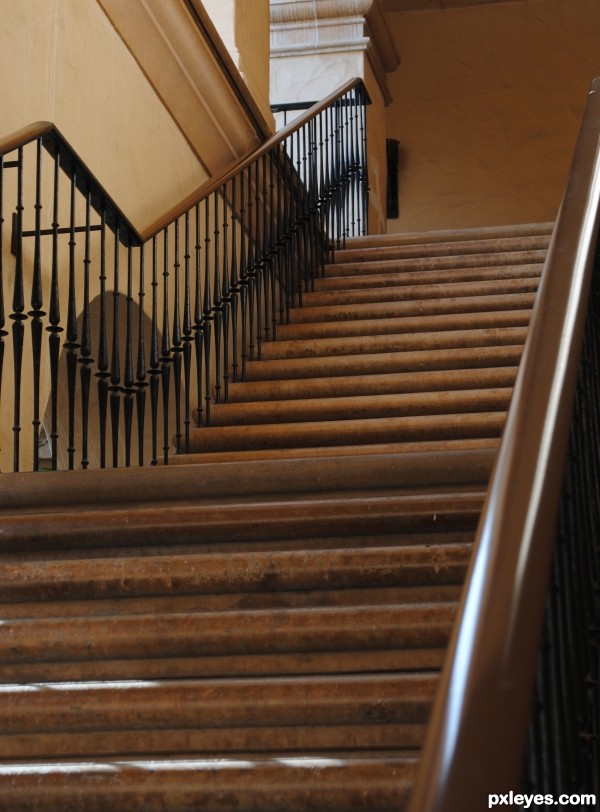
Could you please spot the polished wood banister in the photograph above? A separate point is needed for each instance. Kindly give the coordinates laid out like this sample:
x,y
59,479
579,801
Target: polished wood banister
x,y
50,134
475,742
24,136
43,128
217,182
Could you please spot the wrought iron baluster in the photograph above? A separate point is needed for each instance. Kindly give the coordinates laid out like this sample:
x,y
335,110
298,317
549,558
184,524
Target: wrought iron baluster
x,y
225,294
217,310
103,373
187,331
198,322
234,280
251,277
287,227
207,313
266,250
86,341
177,347
154,355
273,243
364,167
128,378
115,364
141,384
165,358
54,316
71,344
36,312
258,258
17,316
243,274
3,332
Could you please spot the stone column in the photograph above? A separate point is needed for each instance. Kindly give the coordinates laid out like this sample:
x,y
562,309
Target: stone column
x,y
316,46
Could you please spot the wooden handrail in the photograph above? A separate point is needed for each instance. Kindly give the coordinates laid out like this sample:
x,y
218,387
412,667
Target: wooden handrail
x,y
475,742
51,135
45,128
217,182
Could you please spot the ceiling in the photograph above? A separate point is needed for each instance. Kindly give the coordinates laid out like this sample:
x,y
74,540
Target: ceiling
x,y
435,5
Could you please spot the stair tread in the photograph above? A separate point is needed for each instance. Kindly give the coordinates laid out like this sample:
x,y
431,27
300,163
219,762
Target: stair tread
x,y
404,342
506,350
438,263
374,384
384,406
252,783
394,279
455,234
404,292
463,247
262,624
340,432
206,573
426,307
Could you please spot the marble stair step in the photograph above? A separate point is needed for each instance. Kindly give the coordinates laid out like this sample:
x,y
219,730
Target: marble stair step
x,y
356,782
384,406
483,336
371,385
504,348
417,292
489,274
464,247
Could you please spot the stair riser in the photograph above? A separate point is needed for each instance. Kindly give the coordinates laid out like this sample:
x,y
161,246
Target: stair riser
x,y
389,363
446,305
368,408
271,665
439,447
209,574
455,235
281,739
345,432
267,785
417,293
167,489
438,263
233,633
332,285
398,327
358,385
407,342
224,704
506,245
204,526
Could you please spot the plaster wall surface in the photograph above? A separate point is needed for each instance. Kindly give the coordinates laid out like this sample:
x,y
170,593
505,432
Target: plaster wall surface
x,y
62,61
486,106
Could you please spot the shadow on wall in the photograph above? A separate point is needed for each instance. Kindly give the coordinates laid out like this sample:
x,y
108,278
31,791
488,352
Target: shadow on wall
x,y
111,422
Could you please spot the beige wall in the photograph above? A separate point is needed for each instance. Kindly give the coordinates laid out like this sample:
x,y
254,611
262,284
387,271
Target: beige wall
x,y
147,117
487,104
62,61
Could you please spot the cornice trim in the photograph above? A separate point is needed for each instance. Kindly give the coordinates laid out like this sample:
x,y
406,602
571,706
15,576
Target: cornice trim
x,y
290,11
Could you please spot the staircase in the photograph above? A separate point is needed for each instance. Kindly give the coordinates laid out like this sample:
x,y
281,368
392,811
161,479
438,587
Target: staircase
x,y
261,625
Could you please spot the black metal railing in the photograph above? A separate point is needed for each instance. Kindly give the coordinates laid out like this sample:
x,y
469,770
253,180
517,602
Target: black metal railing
x,y
120,342
563,754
